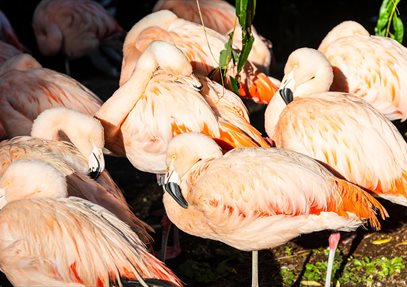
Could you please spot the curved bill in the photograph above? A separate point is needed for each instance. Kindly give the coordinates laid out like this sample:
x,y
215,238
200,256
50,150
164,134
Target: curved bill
x,y
96,162
174,190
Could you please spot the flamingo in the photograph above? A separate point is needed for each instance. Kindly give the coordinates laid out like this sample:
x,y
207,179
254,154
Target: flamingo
x,y
368,66
77,29
220,16
164,98
255,198
66,241
8,35
201,46
337,128
25,93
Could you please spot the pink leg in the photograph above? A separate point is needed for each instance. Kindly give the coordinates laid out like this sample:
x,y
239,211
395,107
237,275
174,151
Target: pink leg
x,y
333,244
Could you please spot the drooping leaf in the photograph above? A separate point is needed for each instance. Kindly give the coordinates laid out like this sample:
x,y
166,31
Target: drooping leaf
x,y
245,10
244,54
235,85
383,19
388,20
398,29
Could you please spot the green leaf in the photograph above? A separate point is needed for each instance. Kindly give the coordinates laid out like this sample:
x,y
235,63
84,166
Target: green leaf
x,y
245,10
398,29
235,86
244,54
388,19
384,15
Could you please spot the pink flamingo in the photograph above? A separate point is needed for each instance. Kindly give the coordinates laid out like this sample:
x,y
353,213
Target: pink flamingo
x,y
255,198
337,128
371,67
66,241
26,92
78,28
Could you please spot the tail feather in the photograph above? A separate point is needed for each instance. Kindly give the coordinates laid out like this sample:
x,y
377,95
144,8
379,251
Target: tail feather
x,y
235,137
361,203
82,186
260,89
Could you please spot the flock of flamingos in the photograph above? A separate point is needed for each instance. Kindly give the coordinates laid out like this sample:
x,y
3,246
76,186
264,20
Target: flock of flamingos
x,y
330,150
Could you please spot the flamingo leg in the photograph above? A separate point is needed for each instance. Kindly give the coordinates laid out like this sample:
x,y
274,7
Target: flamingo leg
x,y
176,248
333,244
255,268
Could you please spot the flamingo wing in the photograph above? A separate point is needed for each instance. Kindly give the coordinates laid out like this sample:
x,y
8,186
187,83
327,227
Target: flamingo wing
x,y
80,185
72,241
347,133
25,94
287,194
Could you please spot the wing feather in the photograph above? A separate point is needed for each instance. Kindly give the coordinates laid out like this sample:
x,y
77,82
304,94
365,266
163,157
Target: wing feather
x,y
349,135
71,240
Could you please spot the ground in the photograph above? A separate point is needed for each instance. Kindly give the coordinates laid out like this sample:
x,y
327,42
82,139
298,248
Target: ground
x,y
364,258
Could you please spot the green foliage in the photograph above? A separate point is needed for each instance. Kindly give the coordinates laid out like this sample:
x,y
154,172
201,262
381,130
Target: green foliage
x,y
387,18
287,275
245,10
358,271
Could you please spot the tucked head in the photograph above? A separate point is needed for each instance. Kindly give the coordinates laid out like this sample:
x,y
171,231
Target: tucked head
x,y
307,71
184,151
84,131
31,179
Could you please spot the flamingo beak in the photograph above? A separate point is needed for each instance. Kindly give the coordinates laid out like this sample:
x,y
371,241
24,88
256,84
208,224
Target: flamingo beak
x,y
286,94
286,88
172,187
96,162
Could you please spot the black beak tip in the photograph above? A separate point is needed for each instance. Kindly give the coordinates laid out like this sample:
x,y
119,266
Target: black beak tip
x,y
287,95
174,190
94,174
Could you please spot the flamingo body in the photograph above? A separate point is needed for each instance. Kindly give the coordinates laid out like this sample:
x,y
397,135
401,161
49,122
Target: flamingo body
x,y
339,129
74,28
232,198
368,66
71,242
163,98
26,93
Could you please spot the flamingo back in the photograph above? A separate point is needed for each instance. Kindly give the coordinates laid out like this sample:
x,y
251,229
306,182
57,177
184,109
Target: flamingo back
x,y
372,68
359,132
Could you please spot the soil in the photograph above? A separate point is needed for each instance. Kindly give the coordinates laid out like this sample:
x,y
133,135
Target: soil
x,y
289,25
